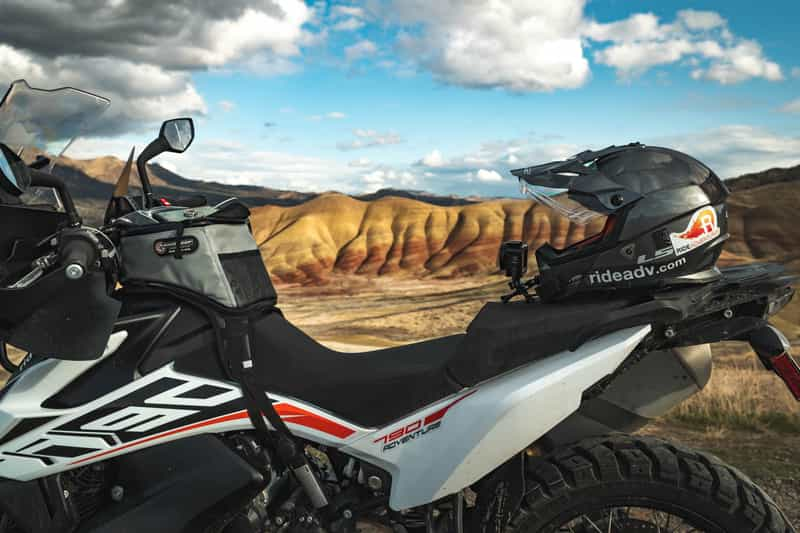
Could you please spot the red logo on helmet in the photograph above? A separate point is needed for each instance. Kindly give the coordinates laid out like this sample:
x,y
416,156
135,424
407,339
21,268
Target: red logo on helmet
x,y
702,228
703,222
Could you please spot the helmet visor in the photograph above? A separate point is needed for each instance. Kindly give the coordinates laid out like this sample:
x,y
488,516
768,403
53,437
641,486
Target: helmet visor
x,y
559,201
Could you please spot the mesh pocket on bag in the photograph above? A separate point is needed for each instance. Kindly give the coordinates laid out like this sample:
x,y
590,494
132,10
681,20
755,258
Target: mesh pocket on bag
x,y
247,277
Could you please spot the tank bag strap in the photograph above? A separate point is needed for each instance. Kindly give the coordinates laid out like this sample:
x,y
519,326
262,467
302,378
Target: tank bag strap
x,y
238,334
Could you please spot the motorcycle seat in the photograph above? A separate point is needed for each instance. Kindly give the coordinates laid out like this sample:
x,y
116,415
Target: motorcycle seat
x,y
370,388
506,336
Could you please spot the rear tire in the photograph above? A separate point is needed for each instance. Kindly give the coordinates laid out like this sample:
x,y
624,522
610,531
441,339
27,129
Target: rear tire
x,y
593,476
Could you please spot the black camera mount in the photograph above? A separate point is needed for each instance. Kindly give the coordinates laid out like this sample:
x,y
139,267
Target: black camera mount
x,y
513,261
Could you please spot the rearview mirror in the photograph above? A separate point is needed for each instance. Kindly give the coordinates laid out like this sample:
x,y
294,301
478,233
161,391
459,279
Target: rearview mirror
x,y
175,136
15,178
178,134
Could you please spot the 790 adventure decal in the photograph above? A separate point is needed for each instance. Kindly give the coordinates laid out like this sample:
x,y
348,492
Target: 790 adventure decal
x,y
418,428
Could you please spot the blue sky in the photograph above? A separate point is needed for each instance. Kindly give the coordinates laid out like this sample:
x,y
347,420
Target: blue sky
x,y
444,96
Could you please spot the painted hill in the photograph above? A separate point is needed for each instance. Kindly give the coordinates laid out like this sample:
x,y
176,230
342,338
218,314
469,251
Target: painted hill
x,y
335,234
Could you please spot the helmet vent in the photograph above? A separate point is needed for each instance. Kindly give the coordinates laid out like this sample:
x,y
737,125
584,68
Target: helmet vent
x,y
661,239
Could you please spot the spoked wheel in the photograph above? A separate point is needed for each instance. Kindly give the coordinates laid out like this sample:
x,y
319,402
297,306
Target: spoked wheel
x,y
629,520
623,484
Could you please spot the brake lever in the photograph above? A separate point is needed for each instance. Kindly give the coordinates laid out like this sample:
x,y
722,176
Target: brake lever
x,y
40,266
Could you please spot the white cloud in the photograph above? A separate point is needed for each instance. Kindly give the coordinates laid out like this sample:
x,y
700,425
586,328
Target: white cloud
x,y
388,178
171,166
360,50
498,155
361,162
18,65
348,11
485,170
633,58
235,163
368,139
488,175
433,159
701,20
227,40
332,115
521,46
796,72
637,27
227,106
739,63
349,24
737,149
347,18
791,107
700,39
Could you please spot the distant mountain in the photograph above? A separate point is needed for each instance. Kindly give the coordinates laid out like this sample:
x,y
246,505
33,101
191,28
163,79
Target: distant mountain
x,y
765,177
91,182
420,196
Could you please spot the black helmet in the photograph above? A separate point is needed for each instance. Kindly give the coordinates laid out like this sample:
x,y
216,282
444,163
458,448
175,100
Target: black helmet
x,y
660,214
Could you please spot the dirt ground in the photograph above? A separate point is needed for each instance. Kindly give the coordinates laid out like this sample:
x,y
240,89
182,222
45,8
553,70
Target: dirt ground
x,y
364,315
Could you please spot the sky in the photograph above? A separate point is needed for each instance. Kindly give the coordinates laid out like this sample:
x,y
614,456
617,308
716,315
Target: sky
x,y
444,96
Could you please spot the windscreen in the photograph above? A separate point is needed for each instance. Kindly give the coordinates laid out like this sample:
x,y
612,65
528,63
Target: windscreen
x,y
34,121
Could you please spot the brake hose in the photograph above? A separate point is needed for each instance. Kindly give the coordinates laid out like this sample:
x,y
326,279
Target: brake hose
x,y
5,362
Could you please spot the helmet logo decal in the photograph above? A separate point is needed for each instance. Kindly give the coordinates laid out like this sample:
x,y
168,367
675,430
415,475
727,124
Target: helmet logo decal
x,y
702,228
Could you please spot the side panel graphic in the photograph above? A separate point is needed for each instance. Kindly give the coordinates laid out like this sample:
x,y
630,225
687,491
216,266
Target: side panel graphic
x,y
157,408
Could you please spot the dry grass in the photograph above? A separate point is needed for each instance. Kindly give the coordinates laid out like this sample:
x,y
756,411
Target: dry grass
x,y
740,398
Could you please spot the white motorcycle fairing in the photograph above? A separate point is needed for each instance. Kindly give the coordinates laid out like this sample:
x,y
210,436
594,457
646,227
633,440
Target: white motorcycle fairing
x,y
431,453
450,445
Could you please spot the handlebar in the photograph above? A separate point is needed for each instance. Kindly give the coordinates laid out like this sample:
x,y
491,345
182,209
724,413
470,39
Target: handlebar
x,y
78,253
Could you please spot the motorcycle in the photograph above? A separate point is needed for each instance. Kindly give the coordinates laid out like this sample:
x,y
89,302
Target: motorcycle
x,y
164,390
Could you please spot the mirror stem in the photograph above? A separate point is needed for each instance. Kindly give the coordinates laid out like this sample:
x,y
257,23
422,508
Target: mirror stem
x,y
152,150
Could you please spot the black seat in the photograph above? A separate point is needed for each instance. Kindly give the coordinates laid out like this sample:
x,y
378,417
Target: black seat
x,y
369,389
505,336
374,388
